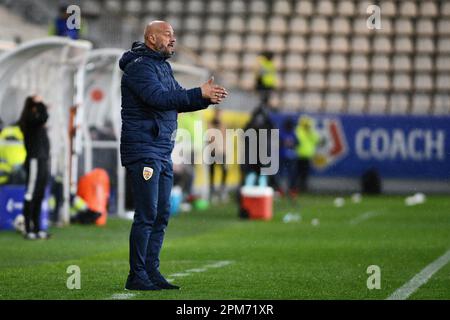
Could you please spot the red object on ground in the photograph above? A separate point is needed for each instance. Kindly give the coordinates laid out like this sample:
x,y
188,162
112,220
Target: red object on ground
x,y
94,188
97,95
258,201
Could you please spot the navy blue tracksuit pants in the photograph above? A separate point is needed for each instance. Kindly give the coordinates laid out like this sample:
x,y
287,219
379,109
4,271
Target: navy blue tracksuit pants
x,y
152,210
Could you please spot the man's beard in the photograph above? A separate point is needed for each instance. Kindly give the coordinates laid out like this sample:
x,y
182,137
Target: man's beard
x,y
164,51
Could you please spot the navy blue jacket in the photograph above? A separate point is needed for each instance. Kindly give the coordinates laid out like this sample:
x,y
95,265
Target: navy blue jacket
x,y
151,100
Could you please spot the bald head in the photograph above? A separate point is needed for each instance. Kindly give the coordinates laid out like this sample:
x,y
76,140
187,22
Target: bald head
x,y
159,36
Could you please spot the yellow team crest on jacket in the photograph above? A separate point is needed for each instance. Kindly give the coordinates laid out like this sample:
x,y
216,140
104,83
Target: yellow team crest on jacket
x,y
147,173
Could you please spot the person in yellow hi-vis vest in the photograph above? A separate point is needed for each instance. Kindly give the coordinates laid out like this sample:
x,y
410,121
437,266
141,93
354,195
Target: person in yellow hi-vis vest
x,y
12,154
308,139
266,79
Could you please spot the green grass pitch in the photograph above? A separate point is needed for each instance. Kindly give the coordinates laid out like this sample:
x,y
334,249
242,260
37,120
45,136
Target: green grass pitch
x,y
267,260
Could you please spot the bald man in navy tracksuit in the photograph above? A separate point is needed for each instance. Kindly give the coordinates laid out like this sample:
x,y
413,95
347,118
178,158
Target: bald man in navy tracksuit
x,y
151,101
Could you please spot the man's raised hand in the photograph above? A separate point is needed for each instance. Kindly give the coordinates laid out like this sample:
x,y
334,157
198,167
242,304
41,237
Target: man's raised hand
x,y
213,92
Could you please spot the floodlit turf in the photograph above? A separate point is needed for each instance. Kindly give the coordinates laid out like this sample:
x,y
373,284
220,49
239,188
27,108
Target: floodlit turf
x,y
269,260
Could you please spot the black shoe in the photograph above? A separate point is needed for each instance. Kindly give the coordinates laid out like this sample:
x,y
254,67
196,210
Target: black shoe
x,y
134,283
160,281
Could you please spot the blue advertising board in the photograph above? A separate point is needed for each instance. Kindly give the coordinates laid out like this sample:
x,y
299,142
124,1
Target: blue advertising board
x,y
11,205
415,147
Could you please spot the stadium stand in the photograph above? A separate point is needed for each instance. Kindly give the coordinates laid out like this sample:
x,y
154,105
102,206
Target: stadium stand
x,y
327,57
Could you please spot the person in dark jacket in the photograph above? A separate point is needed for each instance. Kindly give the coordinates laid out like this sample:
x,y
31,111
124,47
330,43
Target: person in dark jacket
x,y
32,123
151,101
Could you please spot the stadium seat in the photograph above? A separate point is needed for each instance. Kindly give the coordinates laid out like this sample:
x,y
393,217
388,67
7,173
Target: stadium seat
x,y
338,62
360,26
212,42
316,62
441,102
258,7
193,23
443,63
292,100
341,26
380,81
421,104
403,45
315,80
444,45
445,10
408,8
237,7
281,7
318,44
233,42
380,62
359,62
334,102
336,81
443,82
319,25
382,44
278,62
403,26
256,24
401,63
312,102
398,103
276,43
360,44
191,40
236,24
401,82
278,25
356,103
249,61
386,27
428,9
175,22
254,43
113,6
388,9
377,103
195,6
210,60
304,8
425,27
294,62
325,8
296,44
340,44
214,24
229,61
444,27
216,7
154,6
133,6
358,81
424,45
345,8
424,63
247,80
299,25
423,82
293,80
174,6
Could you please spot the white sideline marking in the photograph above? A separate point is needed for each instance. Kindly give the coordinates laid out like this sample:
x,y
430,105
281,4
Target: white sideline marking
x,y
170,278
364,216
122,296
421,278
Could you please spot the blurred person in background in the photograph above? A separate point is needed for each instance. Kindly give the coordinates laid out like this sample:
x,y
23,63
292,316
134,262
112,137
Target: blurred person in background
x,y
151,101
33,125
266,77
308,139
219,155
288,158
12,155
